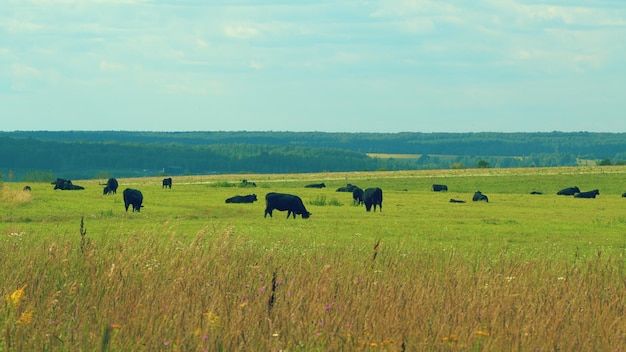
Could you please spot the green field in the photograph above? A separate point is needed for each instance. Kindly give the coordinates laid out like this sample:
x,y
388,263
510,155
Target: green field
x,y
191,273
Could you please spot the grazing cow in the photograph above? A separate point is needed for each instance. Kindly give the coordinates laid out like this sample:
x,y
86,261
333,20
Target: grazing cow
x,y
316,185
348,188
623,195
536,192
167,183
357,196
26,188
478,196
373,196
281,201
440,188
588,194
452,200
133,197
250,198
111,187
568,191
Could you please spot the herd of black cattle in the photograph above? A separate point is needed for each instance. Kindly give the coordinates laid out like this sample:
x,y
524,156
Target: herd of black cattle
x,y
370,197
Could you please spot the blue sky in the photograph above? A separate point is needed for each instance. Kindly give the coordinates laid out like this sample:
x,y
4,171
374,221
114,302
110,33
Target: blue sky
x,y
335,66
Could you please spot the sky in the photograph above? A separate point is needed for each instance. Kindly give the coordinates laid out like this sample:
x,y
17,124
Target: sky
x,y
305,65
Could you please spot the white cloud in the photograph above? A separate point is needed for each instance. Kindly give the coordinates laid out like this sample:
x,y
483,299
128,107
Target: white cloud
x,y
256,65
25,77
201,43
107,66
240,31
19,26
24,71
47,2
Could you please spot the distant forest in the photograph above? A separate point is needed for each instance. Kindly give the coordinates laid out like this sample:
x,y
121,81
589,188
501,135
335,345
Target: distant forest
x,y
44,155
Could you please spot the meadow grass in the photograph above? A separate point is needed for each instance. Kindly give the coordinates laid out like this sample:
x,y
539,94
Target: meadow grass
x,y
192,273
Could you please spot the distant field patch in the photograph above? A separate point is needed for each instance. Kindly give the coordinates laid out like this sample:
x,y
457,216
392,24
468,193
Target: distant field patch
x,y
394,156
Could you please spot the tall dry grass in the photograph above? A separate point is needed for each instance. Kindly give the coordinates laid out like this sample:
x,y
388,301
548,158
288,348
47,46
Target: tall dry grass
x,y
12,197
222,292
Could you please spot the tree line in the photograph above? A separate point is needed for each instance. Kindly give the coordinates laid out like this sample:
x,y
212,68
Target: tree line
x,y
591,145
81,154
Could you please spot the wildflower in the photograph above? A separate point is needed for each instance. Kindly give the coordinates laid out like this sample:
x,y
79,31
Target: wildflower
x,y
214,320
328,307
25,318
16,296
450,338
386,342
481,333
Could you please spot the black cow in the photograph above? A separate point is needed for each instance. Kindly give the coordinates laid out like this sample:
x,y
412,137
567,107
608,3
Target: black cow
x,y
478,196
373,196
623,195
440,188
111,187
588,194
568,191
246,183
536,192
348,188
167,183
26,188
357,196
452,200
281,201
59,183
250,198
65,185
316,185
133,197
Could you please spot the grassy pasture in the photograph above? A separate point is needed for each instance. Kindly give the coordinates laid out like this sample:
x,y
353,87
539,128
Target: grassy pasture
x,y
191,273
